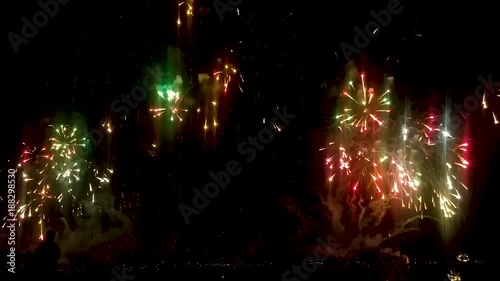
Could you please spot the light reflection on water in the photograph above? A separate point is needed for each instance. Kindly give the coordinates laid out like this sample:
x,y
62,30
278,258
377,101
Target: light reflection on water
x,y
400,273
386,272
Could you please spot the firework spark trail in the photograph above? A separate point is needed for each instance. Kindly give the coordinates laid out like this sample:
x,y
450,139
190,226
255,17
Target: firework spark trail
x,y
107,126
365,107
171,103
50,175
68,162
373,161
99,181
34,184
171,106
487,107
444,165
401,167
355,152
224,75
188,8
66,148
227,74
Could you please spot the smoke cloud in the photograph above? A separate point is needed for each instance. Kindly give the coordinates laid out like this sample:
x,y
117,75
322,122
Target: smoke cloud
x,y
98,227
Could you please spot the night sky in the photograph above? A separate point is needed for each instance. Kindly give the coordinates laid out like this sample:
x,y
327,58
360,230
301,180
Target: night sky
x,y
288,52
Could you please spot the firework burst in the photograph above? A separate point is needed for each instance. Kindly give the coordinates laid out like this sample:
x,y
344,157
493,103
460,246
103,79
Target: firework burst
x,y
67,146
364,107
443,164
376,159
34,185
171,101
57,175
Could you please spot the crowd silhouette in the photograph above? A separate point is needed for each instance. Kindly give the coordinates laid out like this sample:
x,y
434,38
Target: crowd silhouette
x,y
43,262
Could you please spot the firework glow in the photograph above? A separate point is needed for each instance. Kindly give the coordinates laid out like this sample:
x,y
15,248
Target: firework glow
x,y
171,101
58,174
204,101
375,161
365,107
172,104
225,75
184,8
489,104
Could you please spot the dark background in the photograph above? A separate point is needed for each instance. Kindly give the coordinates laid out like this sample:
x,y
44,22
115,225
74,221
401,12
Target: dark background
x,y
91,52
